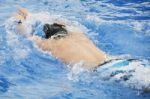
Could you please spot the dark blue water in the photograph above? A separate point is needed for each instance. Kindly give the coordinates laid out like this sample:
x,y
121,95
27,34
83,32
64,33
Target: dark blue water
x,y
120,28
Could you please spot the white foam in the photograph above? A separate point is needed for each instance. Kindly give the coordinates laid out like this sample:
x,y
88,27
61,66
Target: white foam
x,y
75,71
18,49
140,79
94,18
139,74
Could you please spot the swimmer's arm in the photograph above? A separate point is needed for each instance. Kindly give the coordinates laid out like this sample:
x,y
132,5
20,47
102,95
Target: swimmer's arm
x,y
41,43
36,39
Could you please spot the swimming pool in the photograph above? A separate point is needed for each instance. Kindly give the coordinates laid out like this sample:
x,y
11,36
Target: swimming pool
x,y
120,28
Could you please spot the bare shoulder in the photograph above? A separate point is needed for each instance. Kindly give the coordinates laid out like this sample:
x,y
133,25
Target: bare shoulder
x,y
44,44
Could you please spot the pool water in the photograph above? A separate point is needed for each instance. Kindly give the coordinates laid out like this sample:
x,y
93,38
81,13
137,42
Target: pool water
x,y
120,28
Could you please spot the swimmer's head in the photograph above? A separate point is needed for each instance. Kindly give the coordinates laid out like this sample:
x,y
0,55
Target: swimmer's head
x,y
56,30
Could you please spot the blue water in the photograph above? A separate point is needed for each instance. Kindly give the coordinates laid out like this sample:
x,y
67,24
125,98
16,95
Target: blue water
x,y
121,28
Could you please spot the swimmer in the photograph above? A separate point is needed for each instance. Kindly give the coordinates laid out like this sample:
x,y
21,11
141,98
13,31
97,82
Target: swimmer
x,y
69,46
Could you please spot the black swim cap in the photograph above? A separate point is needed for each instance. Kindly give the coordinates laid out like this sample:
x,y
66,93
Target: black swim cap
x,y
53,29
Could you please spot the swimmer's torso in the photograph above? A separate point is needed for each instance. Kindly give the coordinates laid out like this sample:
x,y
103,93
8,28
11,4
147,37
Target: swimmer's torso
x,y
73,48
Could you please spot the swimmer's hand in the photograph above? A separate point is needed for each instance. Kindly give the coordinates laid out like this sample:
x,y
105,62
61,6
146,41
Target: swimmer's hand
x,y
21,14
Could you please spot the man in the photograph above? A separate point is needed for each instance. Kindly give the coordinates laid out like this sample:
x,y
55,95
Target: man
x,y
69,46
